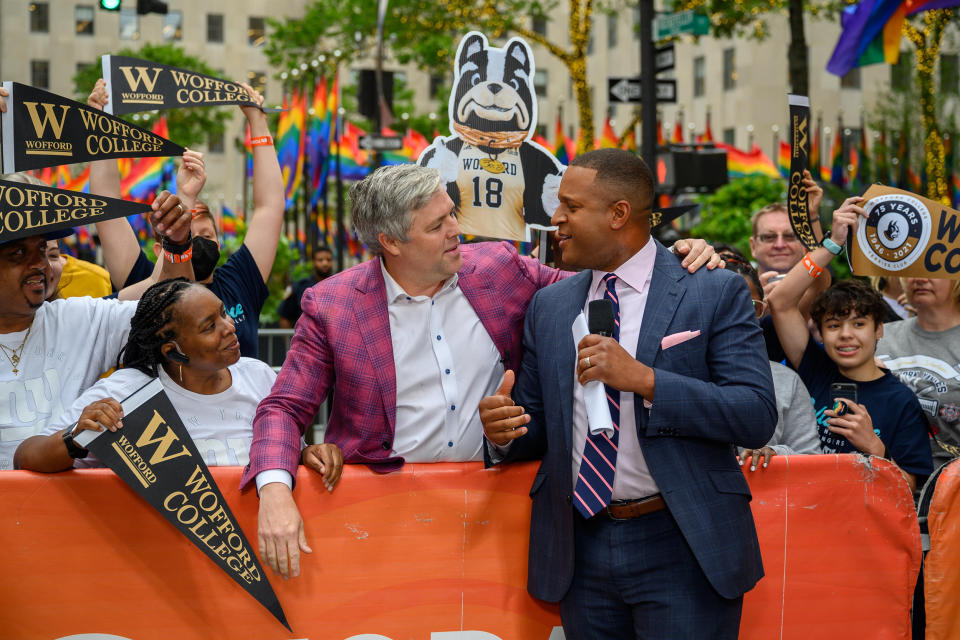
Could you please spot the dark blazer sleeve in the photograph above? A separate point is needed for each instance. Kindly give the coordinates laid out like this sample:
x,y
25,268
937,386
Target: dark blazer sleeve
x,y
737,403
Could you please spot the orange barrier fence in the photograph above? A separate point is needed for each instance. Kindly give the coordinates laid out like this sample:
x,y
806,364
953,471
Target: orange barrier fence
x,y
941,567
434,552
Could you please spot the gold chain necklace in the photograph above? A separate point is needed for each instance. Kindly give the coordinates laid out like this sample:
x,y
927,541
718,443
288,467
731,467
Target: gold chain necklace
x,y
13,355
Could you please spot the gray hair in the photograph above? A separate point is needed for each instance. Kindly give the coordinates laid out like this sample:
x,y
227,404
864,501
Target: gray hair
x,y
383,201
24,178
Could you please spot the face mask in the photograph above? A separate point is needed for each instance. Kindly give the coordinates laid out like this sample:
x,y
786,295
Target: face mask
x,y
206,253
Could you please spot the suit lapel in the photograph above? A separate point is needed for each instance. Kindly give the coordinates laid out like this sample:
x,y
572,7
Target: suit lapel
x,y
566,351
662,301
481,295
372,316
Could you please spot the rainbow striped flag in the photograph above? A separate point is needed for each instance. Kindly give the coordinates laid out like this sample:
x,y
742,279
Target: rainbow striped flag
x,y
748,163
608,138
836,159
80,182
853,169
630,141
415,143
707,135
402,156
564,148
353,159
290,141
955,191
230,222
318,142
677,137
783,158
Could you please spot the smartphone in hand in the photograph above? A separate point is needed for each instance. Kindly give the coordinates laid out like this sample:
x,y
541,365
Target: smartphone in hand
x,y
845,390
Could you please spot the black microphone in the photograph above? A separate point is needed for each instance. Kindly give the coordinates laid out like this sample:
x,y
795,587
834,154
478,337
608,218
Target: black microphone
x,y
602,321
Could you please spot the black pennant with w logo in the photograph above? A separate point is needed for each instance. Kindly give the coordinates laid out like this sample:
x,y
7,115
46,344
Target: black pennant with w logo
x,y
141,85
154,454
41,129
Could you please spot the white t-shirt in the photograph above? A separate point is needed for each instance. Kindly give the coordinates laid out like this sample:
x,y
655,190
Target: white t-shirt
x,y
71,343
220,424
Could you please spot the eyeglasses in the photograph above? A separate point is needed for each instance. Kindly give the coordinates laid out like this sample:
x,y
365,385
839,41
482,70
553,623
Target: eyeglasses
x,y
770,238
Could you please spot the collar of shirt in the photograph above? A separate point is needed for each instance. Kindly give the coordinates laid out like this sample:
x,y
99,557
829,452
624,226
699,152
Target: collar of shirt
x,y
396,293
635,272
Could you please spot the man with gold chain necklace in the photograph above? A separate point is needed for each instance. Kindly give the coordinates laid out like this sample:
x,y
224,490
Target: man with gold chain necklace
x,y
51,351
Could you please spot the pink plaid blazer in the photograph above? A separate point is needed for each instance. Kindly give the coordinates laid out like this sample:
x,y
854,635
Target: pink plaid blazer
x,y
342,341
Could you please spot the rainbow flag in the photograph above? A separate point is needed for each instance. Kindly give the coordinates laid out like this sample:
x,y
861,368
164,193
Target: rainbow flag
x,y
608,139
230,222
707,135
248,152
543,142
955,191
415,143
748,163
564,148
402,156
318,142
914,183
290,142
783,158
853,169
677,137
353,159
836,159
630,141
80,182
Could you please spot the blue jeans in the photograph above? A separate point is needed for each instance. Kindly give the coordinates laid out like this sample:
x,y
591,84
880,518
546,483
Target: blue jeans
x,y
639,579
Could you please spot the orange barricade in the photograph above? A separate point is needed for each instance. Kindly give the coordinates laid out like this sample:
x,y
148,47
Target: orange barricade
x,y
941,568
434,552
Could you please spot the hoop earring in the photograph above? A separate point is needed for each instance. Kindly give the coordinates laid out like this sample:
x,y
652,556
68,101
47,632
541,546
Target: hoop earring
x,y
180,368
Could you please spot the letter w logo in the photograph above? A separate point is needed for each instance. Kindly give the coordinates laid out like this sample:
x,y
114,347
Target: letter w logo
x,y
142,76
163,442
49,117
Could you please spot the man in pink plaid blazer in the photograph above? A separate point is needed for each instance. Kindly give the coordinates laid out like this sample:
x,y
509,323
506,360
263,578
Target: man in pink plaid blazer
x,y
408,343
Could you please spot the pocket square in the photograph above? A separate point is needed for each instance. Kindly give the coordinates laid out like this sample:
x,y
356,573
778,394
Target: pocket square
x,y
676,338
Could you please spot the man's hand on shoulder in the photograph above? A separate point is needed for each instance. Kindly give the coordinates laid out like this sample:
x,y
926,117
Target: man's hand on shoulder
x,y
280,533
697,253
502,419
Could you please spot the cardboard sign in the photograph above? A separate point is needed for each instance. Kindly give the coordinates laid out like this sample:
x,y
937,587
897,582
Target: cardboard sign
x,y
504,184
154,454
141,85
906,235
29,210
41,129
799,162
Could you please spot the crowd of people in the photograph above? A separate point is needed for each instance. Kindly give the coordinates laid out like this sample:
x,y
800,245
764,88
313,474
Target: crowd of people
x,y
439,351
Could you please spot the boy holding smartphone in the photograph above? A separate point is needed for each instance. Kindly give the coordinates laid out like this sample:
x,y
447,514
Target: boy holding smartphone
x,y
886,419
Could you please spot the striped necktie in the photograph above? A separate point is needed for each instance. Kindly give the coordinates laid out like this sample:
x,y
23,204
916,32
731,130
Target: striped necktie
x,y
599,462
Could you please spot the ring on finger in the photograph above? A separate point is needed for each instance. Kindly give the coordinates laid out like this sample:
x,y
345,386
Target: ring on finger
x,y
586,363
180,207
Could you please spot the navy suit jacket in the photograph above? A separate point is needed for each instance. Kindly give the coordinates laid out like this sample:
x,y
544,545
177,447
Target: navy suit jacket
x,y
711,392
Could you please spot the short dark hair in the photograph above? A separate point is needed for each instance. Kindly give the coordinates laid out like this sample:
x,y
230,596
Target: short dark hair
x,y
744,268
323,248
625,173
846,297
150,326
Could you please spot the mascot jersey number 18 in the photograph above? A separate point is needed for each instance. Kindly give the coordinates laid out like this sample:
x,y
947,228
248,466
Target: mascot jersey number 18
x,y
491,193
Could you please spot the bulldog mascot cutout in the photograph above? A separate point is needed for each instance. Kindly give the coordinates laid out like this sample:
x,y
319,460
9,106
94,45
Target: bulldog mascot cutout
x,y
504,184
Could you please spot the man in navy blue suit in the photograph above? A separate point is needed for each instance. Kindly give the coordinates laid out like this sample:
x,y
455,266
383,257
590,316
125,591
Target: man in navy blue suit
x,y
642,530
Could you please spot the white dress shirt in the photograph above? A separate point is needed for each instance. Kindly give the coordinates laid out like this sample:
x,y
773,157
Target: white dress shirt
x,y
632,478
445,363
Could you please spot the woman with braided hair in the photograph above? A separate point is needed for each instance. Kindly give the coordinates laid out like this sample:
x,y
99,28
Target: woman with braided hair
x,y
182,334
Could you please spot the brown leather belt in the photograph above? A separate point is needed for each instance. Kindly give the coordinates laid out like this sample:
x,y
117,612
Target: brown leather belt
x,y
626,509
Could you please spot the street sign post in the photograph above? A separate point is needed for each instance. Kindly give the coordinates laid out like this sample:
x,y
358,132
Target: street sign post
x,y
666,58
628,90
381,143
675,24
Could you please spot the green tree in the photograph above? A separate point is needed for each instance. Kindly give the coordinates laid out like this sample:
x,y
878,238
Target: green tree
x,y
725,214
425,32
189,126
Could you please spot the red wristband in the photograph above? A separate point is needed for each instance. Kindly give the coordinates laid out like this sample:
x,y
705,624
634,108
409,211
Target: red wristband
x,y
177,258
262,141
812,268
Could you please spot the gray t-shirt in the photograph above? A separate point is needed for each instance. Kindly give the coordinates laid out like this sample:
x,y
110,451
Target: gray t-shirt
x,y
928,362
796,430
